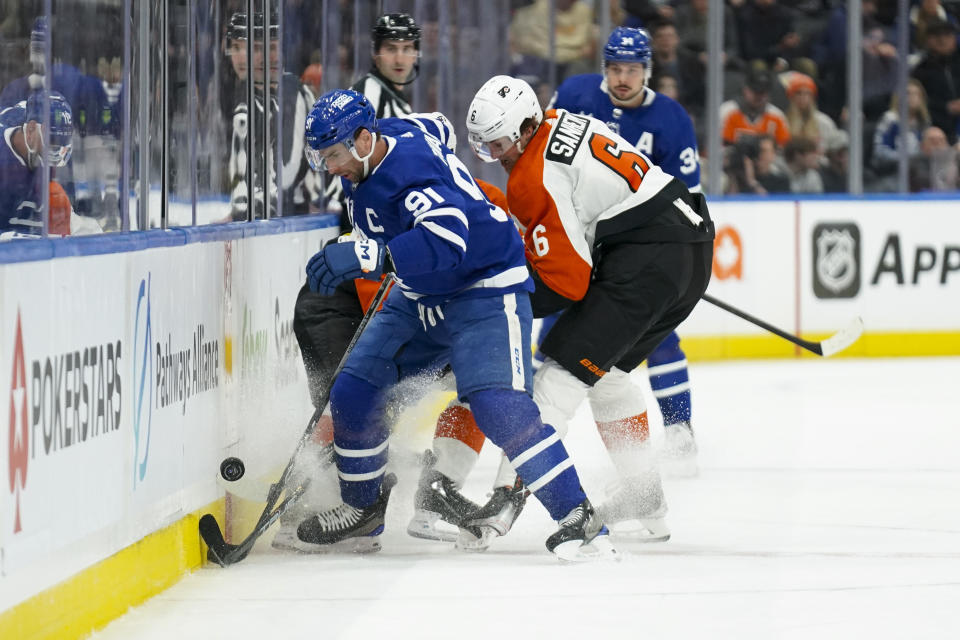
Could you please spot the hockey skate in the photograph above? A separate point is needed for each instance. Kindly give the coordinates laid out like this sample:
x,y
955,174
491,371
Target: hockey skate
x,y
439,508
314,461
346,523
678,457
494,518
638,509
582,537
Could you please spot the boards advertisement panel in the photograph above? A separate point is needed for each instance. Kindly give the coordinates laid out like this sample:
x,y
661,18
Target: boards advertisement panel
x,y
126,377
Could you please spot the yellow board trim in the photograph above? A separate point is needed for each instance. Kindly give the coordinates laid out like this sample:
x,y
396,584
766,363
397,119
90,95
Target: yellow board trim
x,y
870,345
102,593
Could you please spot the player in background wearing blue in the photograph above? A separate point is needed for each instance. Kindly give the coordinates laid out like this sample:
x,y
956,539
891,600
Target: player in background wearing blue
x,y
91,112
660,129
462,289
22,180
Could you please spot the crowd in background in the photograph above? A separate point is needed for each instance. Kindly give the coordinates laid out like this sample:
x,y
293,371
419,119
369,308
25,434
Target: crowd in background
x,y
784,120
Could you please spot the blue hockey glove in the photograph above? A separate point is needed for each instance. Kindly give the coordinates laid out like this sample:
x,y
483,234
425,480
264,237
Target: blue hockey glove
x,y
336,263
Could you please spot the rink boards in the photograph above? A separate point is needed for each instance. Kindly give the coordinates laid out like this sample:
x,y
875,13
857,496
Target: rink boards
x,y
127,376
810,266
130,365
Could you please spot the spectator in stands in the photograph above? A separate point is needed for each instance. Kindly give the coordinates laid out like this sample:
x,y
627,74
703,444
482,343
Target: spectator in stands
x,y
935,167
574,41
880,64
685,67
829,51
666,84
922,15
939,73
644,13
753,166
768,33
768,169
809,17
691,22
887,141
803,117
312,77
803,164
752,114
834,173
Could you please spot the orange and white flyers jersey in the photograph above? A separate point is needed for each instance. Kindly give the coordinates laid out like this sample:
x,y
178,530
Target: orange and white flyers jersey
x,y
574,173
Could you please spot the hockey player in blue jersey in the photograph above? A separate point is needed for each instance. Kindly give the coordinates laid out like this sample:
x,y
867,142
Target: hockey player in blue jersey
x,y
462,290
661,129
22,155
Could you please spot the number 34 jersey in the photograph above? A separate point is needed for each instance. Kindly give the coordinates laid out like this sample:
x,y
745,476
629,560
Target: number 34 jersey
x,y
577,185
658,127
445,237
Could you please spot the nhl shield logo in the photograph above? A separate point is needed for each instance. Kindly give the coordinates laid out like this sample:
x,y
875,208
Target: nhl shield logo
x,y
836,260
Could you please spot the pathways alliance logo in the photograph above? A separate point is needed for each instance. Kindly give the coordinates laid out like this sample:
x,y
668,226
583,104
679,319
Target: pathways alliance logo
x,y
142,381
836,260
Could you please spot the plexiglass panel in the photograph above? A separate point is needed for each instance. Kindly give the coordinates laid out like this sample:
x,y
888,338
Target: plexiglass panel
x,y
131,114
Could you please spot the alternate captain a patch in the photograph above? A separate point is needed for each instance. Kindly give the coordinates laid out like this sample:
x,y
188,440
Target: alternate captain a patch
x,y
566,138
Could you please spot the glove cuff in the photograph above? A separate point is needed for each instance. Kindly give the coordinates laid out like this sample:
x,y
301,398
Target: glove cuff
x,y
370,255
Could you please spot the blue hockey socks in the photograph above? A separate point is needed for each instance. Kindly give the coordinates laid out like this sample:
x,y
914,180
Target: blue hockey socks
x,y
511,420
359,439
670,381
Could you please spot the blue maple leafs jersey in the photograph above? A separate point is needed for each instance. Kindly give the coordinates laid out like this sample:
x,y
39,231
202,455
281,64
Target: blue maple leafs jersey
x,y
659,127
20,194
446,239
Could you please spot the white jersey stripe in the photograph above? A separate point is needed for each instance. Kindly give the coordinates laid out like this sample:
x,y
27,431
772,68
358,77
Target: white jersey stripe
x,y
444,233
445,211
512,276
543,480
530,453
360,453
669,367
671,391
360,477
372,89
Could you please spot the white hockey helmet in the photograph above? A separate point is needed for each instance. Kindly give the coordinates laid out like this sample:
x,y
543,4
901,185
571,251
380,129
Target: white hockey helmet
x,y
499,108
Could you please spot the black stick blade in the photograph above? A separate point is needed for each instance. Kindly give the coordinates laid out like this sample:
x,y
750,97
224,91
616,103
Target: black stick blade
x,y
217,547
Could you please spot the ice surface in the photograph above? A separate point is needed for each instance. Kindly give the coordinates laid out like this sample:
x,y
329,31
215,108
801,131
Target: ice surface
x,y
828,506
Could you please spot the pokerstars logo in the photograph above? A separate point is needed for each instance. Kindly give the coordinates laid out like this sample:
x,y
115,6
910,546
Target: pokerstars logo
x,y
69,399
19,431
142,381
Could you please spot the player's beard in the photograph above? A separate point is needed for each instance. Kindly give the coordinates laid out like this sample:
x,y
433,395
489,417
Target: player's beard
x,y
625,98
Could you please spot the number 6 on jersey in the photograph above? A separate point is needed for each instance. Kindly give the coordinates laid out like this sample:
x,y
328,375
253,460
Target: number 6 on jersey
x,y
539,235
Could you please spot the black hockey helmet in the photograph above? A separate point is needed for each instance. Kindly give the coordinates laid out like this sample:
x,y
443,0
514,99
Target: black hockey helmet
x,y
395,26
237,27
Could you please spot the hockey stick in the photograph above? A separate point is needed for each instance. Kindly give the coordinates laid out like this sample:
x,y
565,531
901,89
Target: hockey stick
x,y
826,348
224,553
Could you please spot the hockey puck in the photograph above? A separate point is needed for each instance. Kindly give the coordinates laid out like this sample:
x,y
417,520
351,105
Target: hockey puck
x,y
232,469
